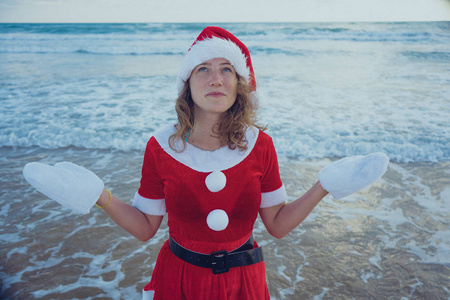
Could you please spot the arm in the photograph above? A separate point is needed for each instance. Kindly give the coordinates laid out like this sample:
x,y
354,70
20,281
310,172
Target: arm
x,y
341,178
281,219
77,188
140,225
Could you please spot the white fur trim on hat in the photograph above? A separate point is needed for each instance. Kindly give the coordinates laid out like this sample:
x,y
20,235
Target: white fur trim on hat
x,y
208,49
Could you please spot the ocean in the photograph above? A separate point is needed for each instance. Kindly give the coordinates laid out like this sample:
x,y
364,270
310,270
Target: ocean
x,y
94,94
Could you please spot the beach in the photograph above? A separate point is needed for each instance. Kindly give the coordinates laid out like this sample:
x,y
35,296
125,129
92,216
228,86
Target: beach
x,y
389,241
93,94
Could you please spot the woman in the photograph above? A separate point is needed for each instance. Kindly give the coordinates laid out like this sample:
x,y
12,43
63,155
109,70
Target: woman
x,y
212,173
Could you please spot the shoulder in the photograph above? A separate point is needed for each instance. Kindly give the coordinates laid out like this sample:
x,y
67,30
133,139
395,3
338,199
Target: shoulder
x,y
164,133
161,137
264,141
264,137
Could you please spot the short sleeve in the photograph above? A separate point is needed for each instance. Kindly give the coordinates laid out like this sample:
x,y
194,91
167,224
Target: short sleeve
x,y
150,197
273,191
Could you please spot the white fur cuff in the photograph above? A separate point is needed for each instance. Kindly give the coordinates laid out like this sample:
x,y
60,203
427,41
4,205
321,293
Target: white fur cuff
x,y
273,198
154,207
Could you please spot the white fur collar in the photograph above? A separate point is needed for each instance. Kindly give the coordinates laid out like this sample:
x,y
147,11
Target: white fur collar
x,y
206,161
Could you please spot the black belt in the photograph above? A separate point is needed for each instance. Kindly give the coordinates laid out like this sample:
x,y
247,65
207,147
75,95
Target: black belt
x,y
220,261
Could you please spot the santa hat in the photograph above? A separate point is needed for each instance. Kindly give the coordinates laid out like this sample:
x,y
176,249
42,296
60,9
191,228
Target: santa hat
x,y
214,42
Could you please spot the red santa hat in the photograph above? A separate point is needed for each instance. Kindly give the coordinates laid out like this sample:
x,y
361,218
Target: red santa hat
x,y
214,42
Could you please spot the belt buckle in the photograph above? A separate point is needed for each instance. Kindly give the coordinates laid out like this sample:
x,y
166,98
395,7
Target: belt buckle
x,y
220,262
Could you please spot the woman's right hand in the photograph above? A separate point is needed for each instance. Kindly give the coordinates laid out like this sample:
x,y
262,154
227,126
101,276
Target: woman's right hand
x,y
67,183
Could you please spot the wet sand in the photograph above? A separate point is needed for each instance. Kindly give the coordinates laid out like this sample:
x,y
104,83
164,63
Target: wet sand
x,y
390,241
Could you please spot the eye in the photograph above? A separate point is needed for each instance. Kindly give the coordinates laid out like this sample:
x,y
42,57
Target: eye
x,y
228,69
200,69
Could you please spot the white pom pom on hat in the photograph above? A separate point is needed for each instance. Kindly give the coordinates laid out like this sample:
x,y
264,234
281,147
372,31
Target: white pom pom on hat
x,y
215,42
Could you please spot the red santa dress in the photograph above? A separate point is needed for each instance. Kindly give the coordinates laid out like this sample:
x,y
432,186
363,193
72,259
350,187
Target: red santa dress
x,y
239,183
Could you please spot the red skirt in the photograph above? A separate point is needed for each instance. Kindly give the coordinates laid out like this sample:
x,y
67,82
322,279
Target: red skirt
x,y
176,279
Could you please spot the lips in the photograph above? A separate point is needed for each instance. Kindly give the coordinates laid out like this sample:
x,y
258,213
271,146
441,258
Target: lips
x,y
215,94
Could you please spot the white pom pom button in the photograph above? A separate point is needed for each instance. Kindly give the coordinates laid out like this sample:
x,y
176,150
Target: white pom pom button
x,y
217,220
216,181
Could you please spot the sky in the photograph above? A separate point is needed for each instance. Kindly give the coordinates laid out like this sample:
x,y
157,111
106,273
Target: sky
x,y
204,11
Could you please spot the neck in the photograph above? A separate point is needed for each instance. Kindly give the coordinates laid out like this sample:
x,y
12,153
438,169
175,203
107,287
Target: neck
x,y
202,135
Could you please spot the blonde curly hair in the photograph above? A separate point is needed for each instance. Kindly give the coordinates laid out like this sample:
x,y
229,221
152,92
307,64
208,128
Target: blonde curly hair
x,y
231,130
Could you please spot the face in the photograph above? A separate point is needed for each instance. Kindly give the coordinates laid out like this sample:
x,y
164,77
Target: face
x,y
213,86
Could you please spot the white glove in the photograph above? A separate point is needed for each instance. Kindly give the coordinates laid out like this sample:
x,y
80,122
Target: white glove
x,y
68,184
351,174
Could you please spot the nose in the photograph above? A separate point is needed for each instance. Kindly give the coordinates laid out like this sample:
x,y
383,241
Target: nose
x,y
216,78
